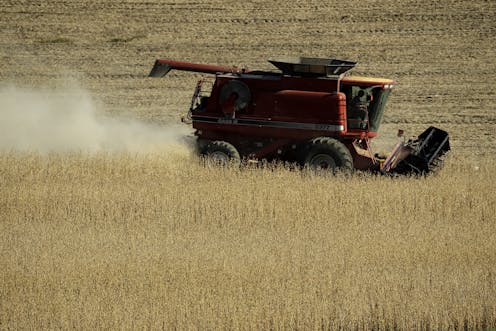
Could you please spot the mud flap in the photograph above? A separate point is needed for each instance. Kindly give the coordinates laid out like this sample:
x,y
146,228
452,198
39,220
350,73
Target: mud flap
x,y
424,154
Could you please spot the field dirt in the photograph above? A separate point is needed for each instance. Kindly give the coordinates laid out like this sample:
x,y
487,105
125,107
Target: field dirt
x,y
155,240
441,53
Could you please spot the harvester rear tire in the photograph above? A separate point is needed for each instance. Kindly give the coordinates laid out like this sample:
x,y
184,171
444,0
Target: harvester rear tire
x,y
221,153
328,154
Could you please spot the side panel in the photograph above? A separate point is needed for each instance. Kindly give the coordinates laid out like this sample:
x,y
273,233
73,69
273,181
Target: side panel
x,y
277,108
311,107
264,89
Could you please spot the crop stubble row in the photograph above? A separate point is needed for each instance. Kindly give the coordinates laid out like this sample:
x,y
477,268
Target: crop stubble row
x,y
442,53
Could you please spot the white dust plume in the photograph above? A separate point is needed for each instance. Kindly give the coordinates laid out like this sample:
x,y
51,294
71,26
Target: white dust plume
x,y
70,120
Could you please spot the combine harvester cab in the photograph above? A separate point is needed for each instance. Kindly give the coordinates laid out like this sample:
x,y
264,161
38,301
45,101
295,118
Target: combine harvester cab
x,y
307,112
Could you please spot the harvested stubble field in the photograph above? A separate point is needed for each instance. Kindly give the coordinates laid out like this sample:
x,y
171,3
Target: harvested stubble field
x,y
127,239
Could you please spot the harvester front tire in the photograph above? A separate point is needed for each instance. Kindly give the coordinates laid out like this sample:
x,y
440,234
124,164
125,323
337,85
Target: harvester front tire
x,y
328,154
221,153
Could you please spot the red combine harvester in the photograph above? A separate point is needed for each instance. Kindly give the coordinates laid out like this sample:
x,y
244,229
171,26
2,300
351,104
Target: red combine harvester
x,y
308,112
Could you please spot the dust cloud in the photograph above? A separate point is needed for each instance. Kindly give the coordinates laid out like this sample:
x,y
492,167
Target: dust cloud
x,y
69,119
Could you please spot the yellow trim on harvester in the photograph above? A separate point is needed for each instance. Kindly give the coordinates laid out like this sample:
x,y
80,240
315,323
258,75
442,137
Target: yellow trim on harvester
x,y
368,80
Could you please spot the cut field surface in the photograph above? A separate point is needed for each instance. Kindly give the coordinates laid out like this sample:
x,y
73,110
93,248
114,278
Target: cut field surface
x,y
441,53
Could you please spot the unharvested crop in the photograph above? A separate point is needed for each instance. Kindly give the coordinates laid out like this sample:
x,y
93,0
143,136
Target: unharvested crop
x,y
112,240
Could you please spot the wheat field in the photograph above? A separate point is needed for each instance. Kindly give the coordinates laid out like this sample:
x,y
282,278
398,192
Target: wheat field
x,y
151,238
108,241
